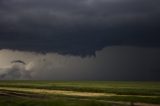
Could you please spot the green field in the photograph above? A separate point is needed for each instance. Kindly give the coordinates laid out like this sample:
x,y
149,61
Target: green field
x,y
79,93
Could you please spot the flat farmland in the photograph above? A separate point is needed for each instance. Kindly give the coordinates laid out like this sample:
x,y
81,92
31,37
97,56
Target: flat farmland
x,y
79,93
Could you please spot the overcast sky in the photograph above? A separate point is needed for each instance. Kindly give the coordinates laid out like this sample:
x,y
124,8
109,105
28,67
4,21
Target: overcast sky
x,y
80,39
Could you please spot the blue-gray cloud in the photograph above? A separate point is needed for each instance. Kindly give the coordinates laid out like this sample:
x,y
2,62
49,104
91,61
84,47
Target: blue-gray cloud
x,y
78,27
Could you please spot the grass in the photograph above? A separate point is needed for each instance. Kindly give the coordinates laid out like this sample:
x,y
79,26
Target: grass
x,y
17,101
130,88
125,92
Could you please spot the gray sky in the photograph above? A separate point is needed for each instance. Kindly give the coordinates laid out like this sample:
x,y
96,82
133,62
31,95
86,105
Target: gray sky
x,y
80,39
111,63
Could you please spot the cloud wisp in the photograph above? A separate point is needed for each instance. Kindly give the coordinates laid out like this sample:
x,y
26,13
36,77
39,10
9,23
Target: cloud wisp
x,y
16,71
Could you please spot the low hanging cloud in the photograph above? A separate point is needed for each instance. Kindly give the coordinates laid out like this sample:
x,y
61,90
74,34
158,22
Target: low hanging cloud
x,y
112,63
16,71
78,27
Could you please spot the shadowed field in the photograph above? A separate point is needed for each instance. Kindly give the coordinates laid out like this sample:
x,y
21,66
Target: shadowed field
x,y
74,93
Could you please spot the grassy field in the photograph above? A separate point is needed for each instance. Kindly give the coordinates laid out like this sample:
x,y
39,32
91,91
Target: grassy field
x,y
79,93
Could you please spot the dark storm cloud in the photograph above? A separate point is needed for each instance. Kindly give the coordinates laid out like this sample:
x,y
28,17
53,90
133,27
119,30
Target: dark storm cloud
x,y
78,27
